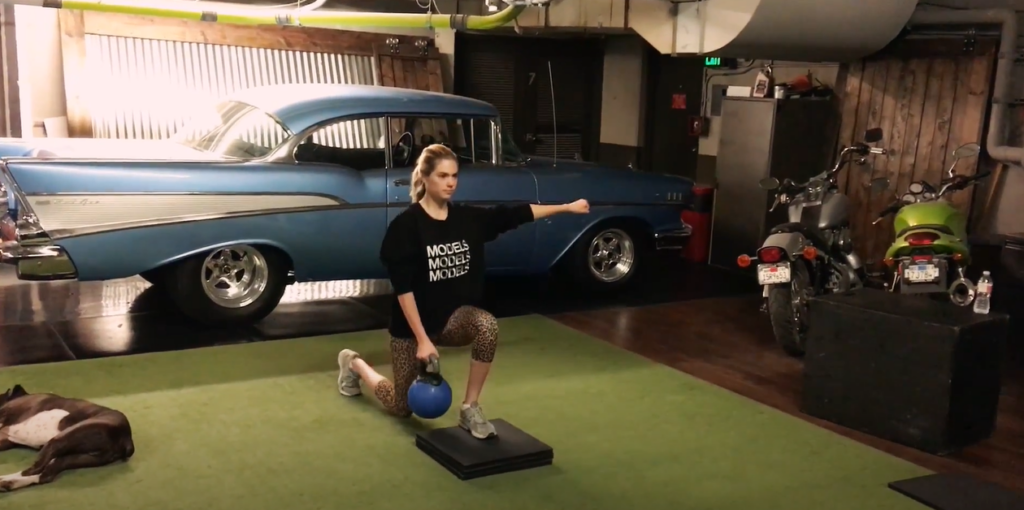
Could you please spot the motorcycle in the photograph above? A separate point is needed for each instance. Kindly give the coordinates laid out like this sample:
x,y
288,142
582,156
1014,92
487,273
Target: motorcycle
x,y
813,253
931,235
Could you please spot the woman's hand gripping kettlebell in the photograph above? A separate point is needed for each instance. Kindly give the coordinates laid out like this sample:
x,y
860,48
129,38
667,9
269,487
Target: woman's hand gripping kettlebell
x,y
425,350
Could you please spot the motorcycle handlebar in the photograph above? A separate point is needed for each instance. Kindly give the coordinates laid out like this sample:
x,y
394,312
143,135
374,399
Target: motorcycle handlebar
x,y
977,177
891,208
958,183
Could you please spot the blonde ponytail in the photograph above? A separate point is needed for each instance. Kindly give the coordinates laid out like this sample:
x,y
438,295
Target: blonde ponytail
x,y
425,165
417,189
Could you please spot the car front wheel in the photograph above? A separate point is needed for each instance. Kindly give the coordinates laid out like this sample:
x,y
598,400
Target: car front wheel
x,y
233,285
606,257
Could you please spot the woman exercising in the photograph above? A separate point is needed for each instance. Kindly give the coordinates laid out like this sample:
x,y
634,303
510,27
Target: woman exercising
x,y
434,254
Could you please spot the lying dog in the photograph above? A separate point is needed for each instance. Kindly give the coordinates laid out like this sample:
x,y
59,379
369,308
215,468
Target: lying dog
x,y
69,434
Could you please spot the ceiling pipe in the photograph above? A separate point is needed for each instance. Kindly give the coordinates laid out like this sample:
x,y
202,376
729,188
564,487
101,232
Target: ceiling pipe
x,y
249,16
995,143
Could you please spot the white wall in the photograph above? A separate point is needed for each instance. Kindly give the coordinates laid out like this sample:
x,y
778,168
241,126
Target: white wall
x,y
40,67
622,91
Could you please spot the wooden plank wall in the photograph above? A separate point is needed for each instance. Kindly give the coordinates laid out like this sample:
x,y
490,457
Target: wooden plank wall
x,y
930,97
75,24
411,67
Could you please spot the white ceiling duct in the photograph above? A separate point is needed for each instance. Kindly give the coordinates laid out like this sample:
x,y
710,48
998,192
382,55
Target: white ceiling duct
x,y
802,30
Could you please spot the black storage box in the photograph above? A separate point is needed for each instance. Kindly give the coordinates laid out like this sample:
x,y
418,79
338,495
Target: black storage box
x,y
904,368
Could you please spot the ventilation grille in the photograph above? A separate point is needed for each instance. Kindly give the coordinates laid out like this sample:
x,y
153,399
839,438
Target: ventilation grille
x,y
493,81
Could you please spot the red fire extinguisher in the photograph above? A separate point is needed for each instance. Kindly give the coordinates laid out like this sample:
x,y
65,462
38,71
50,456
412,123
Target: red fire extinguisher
x,y
699,219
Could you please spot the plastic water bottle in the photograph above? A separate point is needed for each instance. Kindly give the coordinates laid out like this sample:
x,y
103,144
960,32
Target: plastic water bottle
x,y
983,298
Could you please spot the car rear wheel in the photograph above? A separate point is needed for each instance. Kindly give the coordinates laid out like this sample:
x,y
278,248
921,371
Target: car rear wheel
x,y
233,285
606,256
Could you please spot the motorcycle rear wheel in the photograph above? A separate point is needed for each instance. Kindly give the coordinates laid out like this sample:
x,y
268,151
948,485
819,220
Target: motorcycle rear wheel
x,y
787,309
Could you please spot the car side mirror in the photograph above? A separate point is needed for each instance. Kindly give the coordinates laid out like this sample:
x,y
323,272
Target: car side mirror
x,y
968,150
873,135
768,183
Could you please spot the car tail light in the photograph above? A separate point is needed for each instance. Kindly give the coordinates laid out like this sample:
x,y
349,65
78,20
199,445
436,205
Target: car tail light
x,y
921,238
770,254
8,230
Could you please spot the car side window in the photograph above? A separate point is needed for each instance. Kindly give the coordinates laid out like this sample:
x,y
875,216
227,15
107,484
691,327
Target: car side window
x,y
354,143
465,136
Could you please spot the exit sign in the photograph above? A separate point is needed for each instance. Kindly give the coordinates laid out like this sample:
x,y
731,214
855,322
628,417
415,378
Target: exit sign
x,y
720,62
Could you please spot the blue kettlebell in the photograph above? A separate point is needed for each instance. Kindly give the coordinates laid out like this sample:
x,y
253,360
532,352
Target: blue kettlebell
x,y
430,396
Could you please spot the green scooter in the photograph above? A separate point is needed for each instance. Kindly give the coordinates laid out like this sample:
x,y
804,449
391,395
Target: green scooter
x,y
931,235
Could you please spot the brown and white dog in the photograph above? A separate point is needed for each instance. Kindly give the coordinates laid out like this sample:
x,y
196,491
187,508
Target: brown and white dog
x,y
69,434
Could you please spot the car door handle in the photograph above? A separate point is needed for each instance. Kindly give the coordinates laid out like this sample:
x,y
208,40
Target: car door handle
x,y
401,182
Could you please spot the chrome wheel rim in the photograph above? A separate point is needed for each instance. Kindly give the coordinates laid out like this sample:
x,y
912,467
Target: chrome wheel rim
x,y
612,255
234,276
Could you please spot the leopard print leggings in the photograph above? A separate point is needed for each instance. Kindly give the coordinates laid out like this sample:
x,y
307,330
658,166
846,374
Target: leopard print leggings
x,y
467,326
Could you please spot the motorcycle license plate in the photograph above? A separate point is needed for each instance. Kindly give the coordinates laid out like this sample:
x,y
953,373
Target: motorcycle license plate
x,y
771,274
918,273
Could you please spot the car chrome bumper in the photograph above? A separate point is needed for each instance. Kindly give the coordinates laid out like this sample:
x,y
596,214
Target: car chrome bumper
x,y
36,260
38,263
673,239
24,243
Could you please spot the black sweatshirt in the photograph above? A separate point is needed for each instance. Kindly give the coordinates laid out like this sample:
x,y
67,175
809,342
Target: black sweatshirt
x,y
442,261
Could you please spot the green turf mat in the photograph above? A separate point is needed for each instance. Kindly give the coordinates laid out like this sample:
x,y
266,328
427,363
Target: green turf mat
x,y
261,426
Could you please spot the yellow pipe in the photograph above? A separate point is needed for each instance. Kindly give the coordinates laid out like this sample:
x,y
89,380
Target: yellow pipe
x,y
322,19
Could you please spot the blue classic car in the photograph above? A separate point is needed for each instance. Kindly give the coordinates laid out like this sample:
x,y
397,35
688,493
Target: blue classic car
x,y
295,183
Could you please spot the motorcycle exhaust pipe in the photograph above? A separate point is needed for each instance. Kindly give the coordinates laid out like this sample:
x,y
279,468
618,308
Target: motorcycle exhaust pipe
x,y
962,292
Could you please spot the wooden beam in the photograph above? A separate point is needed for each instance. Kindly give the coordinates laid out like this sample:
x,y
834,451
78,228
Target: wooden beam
x,y
323,40
10,91
72,38
944,47
406,51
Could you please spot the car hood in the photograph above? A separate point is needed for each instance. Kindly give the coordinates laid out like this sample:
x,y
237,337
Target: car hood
x,y
100,148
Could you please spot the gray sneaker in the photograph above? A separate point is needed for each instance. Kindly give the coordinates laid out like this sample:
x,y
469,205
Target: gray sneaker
x,y
472,419
348,380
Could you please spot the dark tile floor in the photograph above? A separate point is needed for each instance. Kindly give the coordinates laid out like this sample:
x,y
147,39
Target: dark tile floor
x,y
61,321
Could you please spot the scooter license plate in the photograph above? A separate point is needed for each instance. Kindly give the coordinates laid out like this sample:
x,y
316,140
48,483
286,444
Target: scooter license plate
x,y
920,273
772,274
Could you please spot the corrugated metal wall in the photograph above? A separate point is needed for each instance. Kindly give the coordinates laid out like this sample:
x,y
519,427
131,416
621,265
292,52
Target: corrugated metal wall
x,y
145,88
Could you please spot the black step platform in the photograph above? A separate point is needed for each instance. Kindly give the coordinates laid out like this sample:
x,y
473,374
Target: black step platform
x,y
468,457
958,492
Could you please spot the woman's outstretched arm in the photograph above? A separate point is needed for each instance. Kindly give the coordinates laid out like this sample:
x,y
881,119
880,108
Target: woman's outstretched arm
x,y
543,211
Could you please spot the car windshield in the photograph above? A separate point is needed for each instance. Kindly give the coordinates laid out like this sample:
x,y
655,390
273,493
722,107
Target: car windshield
x,y
509,150
233,130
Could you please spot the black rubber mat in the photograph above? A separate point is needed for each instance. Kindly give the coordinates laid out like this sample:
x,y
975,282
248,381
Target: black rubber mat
x,y
467,457
958,492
